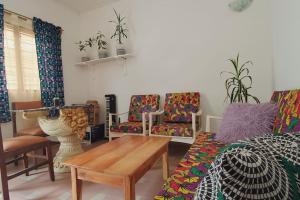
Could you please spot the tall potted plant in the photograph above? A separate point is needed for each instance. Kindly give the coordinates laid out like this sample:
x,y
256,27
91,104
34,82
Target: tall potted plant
x,y
120,32
239,82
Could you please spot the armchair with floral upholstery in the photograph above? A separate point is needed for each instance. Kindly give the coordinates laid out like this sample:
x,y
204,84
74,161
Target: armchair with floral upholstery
x,y
140,107
181,117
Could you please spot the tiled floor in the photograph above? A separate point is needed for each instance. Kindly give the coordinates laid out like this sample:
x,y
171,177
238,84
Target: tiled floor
x,y
39,187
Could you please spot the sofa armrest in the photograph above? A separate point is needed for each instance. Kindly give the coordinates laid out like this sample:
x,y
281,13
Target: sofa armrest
x,y
208,120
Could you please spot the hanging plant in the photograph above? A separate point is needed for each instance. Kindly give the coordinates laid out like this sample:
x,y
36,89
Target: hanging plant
x,y
239,83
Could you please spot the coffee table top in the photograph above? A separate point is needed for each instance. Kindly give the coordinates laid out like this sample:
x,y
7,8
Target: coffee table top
x,y
123,156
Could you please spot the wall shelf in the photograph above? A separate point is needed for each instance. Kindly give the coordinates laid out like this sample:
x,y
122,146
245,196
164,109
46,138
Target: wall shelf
x,y
103,60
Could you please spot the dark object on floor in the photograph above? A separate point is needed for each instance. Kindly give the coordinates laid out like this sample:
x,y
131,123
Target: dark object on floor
x,y
96,133
111,107
20,148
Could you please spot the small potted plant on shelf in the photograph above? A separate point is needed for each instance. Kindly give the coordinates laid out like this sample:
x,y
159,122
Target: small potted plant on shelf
x,y
239,83
101,43
82,48
93,50
120,33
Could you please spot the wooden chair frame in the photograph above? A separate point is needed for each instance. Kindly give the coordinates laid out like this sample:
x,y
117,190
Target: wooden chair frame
x,y
22,106
25,152
119,134
188,140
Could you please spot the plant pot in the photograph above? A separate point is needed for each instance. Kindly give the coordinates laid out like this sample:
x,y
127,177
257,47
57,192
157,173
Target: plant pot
x,y
93,52
121,49
84,56
102,53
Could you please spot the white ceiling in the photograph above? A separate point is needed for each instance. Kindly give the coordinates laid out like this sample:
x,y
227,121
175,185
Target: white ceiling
x,y
82,6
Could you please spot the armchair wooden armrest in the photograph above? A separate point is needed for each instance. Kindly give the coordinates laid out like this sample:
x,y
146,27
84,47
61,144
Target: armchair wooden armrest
x,y
194,118
118,114
160,112
144,121
208,120
114,114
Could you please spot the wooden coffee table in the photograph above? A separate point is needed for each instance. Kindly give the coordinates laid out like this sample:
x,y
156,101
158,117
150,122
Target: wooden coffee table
x,y
120,163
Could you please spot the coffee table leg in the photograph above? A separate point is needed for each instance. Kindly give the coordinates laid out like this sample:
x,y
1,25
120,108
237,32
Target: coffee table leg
x,y
165,165
76,185
129,188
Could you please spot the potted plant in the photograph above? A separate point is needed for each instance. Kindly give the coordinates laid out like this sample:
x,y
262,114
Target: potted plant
x,y
93,50
82,45
239,83
101,43
120,33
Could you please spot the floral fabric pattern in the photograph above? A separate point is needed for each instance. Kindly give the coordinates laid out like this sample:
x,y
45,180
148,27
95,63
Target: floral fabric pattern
x,y
140,104
288,116
48,47
4,102
127,127
182,184
173,129
180,106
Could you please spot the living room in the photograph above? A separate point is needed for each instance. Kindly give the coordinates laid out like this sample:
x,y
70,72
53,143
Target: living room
x,y
148,53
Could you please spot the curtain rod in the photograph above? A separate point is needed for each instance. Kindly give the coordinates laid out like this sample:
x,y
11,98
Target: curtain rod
x,y
21,16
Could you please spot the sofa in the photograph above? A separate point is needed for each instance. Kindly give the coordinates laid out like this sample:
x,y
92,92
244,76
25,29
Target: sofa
x,y
193,167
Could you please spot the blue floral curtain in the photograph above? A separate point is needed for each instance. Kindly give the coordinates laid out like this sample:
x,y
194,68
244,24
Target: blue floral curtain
x,y
4,103
48,47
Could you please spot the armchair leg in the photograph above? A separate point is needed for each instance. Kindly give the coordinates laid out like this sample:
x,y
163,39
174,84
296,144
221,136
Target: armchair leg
x,y
35,159
16,163
25,161
50,162
4,182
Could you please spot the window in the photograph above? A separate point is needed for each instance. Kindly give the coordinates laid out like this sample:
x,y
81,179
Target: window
x,y
20,55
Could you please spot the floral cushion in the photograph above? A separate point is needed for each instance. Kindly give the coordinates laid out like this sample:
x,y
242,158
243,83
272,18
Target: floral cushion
x,y
127,127
140,104
180,106
288,116
182,184
173,129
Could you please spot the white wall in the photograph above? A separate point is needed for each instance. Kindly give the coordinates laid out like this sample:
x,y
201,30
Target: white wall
x,y
286,30
68,20
177,45
181,46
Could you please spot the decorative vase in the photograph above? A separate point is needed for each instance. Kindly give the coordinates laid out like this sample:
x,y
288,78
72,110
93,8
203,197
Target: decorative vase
x,y
102,53
69,129
120,49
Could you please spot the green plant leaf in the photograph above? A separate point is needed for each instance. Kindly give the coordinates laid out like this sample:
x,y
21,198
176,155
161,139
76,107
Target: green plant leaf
x,y
254,98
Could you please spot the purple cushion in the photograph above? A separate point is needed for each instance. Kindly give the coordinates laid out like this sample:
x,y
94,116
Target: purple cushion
x,y
242,121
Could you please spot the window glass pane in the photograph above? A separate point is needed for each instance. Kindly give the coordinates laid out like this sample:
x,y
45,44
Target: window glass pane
x,y
30,72
10,58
